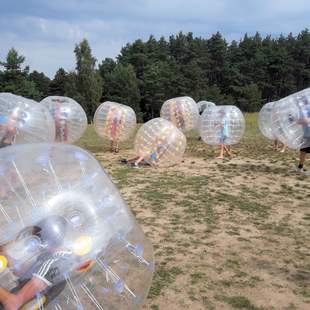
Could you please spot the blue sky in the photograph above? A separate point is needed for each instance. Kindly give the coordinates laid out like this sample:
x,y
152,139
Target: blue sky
x,y
46,31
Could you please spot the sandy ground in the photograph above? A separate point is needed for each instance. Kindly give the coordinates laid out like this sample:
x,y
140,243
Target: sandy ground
x,y
226,234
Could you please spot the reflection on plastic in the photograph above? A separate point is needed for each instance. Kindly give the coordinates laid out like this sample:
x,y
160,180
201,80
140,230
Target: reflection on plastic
x,y
64,225
182,112
202,105
69,117
115,121
24,121
264,120
290,120
222,125
159,142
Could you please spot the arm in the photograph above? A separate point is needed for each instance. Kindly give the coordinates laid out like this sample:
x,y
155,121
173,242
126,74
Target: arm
x,y
28,292
302,121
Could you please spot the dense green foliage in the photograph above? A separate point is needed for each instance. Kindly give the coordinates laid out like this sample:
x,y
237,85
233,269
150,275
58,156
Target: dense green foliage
x,y
247,73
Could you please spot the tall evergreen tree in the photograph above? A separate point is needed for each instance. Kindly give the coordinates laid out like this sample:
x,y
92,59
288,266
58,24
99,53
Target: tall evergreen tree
x,y
88,81
106,67
122,86
247,73
57,86
250,99
41,82
15,78
159,86
302,58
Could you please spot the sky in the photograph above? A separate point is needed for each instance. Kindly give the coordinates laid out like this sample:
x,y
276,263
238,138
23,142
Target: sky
x,y
46,31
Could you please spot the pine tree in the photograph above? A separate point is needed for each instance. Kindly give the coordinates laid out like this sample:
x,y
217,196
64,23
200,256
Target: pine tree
x,y
158,84
251,98
122,86
57,86
15,78
88,81
41,82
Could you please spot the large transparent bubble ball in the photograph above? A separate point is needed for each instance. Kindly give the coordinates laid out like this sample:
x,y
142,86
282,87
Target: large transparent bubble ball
x,y
182,112
202,105
264,120
115,121
291,120
64,223
24,121
222,125
159,142
69,117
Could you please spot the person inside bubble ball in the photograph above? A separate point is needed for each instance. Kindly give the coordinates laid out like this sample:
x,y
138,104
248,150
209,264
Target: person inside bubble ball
x,y
61,122
160,147
8,130
116,116
177,114
41,275
223,135
277,144
304,121
150,158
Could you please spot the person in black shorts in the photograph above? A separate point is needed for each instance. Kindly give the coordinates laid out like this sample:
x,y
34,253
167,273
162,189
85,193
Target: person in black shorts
x,y
302,158
44,279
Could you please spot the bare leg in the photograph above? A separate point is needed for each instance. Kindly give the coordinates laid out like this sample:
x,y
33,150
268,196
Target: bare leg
x,y
116,148
302,159
133,159
283,148
227,150
275,144
138,161
221,156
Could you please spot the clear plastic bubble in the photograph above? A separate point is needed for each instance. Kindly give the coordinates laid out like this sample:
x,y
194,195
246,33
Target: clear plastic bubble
x,y
291,120
264,121
69,117
182,112
159,142
114,121
24,121
222,125
64,223
202,105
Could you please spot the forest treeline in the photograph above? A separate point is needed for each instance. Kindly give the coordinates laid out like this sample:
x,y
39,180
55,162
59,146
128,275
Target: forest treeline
x,y
247,73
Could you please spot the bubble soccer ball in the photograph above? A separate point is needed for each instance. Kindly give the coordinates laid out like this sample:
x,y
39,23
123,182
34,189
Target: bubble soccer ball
x,y
64,223
182,112
264,121
202,105
222,125
24,121
69,117
160,143
290,120
115,121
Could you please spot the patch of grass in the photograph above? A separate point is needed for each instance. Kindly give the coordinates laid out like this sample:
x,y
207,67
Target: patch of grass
x,y
238,302
163,277
306,217
232,264
244,204
197,277
217,227
123,176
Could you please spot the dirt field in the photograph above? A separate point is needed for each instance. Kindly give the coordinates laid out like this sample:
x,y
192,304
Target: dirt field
x,y
232,234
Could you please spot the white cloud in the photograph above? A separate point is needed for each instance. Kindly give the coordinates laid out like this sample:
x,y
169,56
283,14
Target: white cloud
x,y
46,31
